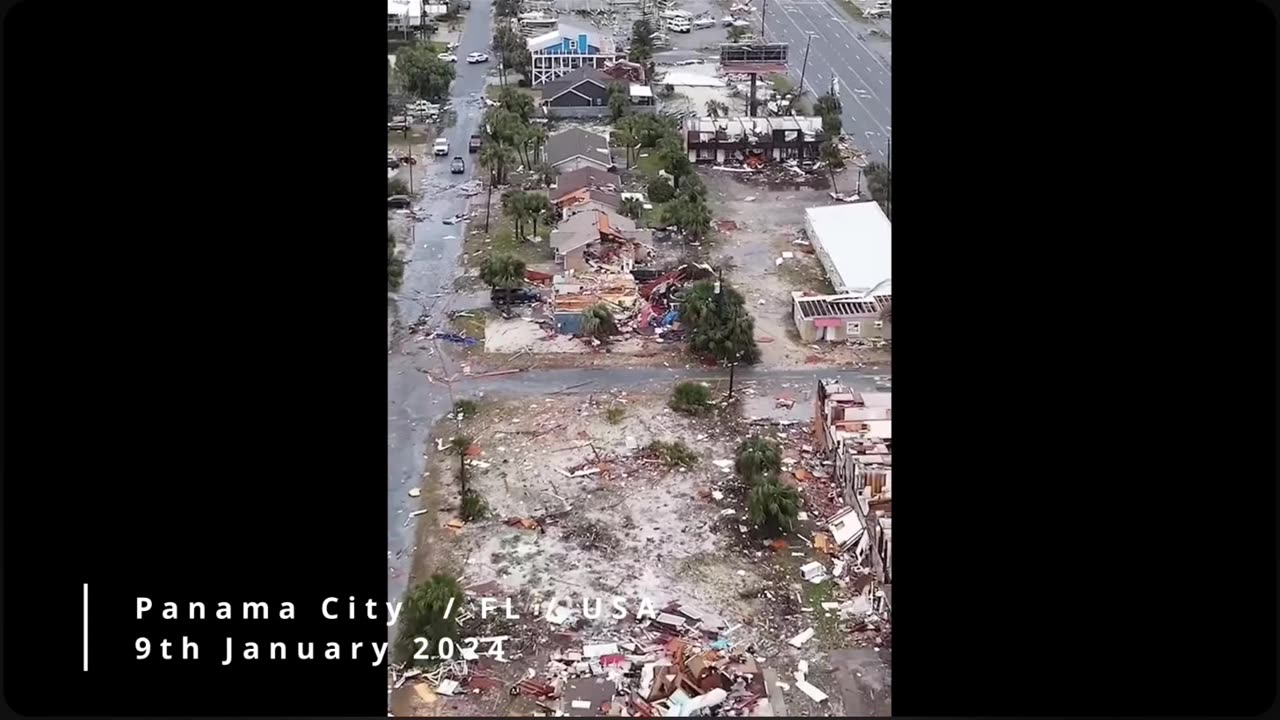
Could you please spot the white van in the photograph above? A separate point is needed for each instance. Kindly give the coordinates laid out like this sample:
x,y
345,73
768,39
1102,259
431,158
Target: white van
x,y
441,147
680,24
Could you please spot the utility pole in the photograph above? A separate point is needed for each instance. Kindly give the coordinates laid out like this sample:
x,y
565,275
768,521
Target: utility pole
x,y
763,5
721,294
411,164
804,65
488,203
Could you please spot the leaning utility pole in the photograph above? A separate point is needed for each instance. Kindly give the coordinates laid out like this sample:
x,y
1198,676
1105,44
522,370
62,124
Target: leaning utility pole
x,y
804,65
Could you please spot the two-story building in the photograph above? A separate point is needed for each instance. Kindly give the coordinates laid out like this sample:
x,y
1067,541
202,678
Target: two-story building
x,y
753,139
566,48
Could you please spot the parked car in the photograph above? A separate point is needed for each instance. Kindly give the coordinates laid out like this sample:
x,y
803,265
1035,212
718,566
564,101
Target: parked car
x,y
397,125
447,57
477,57
399,201
441,146
458,166
392,163
475,143
513,296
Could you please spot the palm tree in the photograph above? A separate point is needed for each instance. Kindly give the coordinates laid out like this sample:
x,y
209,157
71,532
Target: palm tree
x,y
758,459
502,271
498,159
515,207
632,208
547,172
772,505
716,109
537,136
598,322
624,133
536,205
830,155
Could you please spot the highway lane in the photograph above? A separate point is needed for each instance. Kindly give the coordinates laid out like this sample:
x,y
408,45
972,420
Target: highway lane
x,y
865,82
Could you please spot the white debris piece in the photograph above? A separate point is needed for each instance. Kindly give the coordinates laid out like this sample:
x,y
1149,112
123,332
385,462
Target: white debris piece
x,y
447,686
812,571
801,639
414,492
581,704
814,693
592,651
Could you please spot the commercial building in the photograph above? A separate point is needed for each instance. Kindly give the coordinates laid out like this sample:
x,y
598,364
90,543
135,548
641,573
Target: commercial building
x,y
559,52
840,318
753,140
852,241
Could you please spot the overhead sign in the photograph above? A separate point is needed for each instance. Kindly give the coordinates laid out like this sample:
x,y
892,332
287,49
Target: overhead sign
x,y
754,57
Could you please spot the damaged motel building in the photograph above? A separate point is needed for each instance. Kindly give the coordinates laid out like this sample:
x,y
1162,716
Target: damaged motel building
x,y
753,140
855,430
853,243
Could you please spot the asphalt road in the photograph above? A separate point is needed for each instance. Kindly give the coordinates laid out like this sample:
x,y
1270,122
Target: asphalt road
x,y
426,289
836,51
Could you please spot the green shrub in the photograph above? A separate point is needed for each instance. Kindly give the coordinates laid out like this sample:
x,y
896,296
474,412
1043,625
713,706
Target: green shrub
x,y
773,506
691,398
758,459
673,454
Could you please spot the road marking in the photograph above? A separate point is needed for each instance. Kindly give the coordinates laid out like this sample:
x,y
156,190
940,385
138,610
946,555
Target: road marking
x,y
855,37
855,72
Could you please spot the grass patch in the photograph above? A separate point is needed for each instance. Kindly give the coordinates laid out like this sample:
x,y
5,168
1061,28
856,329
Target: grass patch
x,y
615,415
502,240
781,83
419,139
826,628
492,92
853,11
673,454
648,165
471,325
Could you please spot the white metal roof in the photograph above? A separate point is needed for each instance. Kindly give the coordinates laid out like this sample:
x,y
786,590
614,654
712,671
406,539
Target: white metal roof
x,y
855,237
641,90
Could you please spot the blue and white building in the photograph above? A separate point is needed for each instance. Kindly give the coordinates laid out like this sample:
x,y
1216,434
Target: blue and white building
x,y
567,48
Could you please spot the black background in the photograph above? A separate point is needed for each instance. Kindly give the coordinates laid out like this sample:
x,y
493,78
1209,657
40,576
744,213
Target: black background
x,y
194,402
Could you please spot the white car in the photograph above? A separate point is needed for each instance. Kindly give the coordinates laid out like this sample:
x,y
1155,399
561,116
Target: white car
x,y
447,57
441,147
477,57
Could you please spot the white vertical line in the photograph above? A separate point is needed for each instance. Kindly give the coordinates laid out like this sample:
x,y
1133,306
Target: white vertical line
x,y
86,627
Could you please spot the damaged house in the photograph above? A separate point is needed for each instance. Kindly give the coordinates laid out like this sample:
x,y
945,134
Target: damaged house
x,y
586,184
593,235
571,294
857,429
753,141
584,93
576,148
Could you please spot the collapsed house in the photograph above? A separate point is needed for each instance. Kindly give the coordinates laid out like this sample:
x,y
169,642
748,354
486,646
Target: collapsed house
x,y
856,428
680,664
571,294
753,141
593,235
